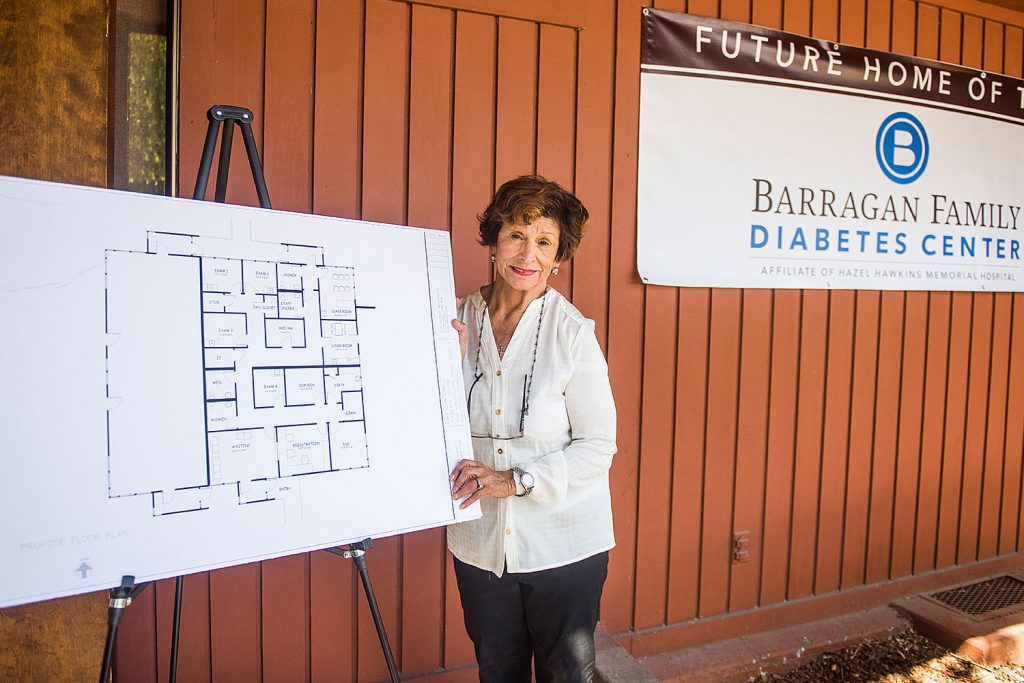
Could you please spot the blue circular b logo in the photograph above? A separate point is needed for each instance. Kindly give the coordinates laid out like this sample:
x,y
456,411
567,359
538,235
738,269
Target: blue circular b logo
x,y
902,148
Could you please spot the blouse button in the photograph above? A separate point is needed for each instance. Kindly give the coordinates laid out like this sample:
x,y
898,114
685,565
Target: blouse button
x,y
499,373
508,532
498,411
500,451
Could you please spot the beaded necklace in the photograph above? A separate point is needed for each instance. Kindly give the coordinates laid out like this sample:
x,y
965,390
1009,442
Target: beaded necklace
x,y
528,385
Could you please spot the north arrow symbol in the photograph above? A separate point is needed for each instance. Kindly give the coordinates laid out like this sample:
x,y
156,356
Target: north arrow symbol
x,y
84,569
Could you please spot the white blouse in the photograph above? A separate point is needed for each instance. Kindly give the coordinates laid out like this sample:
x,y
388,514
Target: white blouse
x,y
568,442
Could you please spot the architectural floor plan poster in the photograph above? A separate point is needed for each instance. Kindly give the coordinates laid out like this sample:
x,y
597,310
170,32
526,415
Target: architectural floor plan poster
x,y
190,385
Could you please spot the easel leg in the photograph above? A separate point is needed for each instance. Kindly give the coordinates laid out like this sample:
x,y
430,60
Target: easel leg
x,y
225,161
120,598
255,165
206,161
357,553
179,585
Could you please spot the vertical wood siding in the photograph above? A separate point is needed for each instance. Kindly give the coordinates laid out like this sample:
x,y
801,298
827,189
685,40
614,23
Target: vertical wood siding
x,y
854,437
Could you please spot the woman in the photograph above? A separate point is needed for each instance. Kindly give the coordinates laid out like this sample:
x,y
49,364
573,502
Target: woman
x,y
531,569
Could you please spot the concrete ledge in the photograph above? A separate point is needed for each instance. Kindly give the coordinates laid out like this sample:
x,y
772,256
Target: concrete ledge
x,y
746,658
989,642
698,632
615,664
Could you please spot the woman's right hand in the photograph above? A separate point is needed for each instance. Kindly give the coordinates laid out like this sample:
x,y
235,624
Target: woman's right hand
x,y
460,328
472,480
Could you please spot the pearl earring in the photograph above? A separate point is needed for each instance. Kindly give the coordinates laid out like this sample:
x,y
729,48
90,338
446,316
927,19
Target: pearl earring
x,y
492,258
554,271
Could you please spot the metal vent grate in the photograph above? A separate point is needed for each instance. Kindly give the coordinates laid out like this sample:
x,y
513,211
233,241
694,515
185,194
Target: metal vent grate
x,y
999,593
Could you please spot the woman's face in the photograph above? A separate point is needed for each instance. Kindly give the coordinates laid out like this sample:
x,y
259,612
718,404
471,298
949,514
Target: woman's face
x,y
525,254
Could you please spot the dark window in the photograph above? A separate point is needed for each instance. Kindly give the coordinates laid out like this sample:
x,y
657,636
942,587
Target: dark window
x,y
139,124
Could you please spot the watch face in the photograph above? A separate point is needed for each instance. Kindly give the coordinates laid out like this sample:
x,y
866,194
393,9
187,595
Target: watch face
x,y
527,480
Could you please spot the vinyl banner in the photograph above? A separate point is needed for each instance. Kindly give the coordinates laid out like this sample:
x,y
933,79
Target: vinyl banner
x,y
769,159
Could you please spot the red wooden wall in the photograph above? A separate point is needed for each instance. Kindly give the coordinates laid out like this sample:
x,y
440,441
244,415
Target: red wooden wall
x,y
863,439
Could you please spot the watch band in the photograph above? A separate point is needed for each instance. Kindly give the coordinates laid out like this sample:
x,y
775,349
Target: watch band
x,y
517,476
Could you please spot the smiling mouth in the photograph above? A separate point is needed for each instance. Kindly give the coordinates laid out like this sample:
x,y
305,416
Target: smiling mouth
x,y
522,271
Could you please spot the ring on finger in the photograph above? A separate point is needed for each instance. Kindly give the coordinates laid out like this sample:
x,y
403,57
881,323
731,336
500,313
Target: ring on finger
x,y
479,484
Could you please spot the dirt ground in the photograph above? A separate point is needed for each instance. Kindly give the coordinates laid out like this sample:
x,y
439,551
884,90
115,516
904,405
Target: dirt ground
x,y
905,658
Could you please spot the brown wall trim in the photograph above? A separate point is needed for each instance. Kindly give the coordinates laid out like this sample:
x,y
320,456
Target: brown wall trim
x,y
806,610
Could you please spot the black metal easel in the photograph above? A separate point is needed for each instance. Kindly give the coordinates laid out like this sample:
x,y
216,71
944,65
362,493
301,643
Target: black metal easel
x,y
230,116
243,117
120,598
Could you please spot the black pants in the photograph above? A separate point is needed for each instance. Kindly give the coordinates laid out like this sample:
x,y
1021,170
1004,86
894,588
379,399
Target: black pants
x,y
549,616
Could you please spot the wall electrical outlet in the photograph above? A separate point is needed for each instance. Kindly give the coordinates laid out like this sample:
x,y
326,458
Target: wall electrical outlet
x,y
740,546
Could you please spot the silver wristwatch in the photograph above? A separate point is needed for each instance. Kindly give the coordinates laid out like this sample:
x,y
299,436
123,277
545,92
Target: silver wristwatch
x,y
524,480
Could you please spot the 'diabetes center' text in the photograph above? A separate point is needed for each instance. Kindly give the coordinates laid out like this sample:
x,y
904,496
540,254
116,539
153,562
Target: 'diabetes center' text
x,y
933,225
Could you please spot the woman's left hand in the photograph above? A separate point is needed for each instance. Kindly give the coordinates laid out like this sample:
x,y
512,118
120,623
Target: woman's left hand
x,y
472,480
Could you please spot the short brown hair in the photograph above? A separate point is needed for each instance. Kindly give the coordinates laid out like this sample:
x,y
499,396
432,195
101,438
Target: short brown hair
x,y
523,200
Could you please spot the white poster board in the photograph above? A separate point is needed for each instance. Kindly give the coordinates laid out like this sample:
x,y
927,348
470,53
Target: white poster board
x,y
190,385
768,159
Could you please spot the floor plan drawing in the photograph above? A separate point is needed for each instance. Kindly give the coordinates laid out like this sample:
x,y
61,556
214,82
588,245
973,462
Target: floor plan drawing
x,y
195,385
280,384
